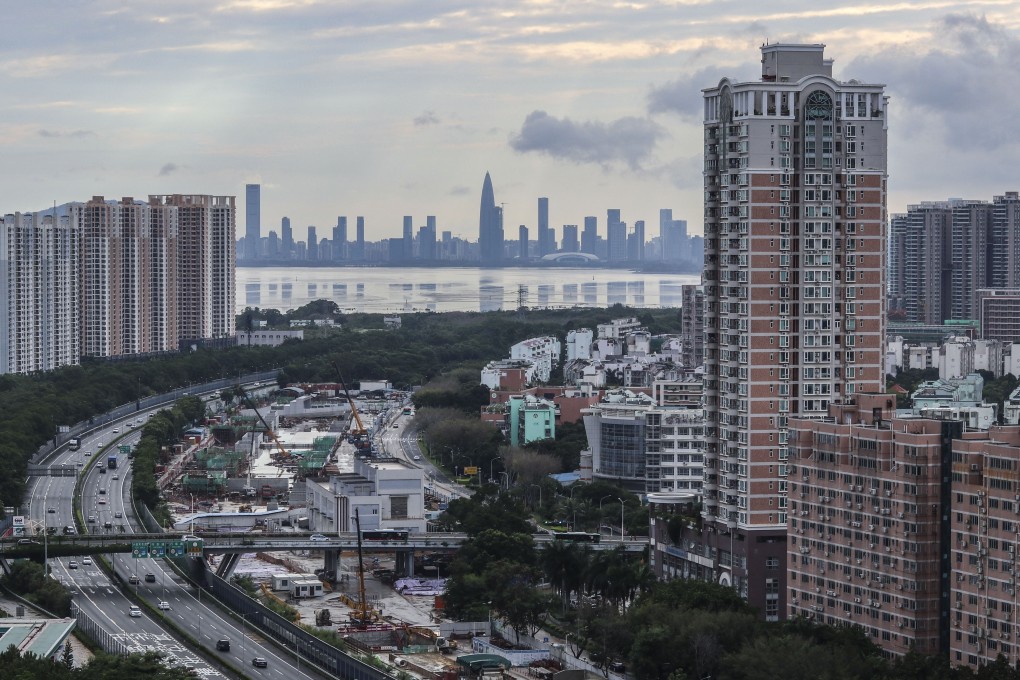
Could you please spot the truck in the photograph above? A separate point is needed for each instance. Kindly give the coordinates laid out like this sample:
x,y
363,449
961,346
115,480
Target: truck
x,y
111,462
74,443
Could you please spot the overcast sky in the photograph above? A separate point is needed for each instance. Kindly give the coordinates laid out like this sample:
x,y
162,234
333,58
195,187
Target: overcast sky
x,y
385,108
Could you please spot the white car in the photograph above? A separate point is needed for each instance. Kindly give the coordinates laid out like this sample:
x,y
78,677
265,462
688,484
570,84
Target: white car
x,y
86,560
164,605
317,537
417,457
134,612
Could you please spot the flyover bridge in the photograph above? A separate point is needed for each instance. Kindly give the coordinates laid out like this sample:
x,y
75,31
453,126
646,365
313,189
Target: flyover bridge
x,y
233,545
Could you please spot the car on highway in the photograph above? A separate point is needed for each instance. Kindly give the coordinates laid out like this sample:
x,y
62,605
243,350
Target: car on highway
x,y
118,514
259,662
92,519
116,431
70,530
86,560
99,445
88,453
102,492
72,565
150,578
107,524
116,476
134,580
317,537
51,510
163,606
26,541
135,612
223,645
101,501
417,457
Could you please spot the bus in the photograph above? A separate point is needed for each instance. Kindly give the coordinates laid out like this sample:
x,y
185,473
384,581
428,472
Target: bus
x,y
578,536
385,535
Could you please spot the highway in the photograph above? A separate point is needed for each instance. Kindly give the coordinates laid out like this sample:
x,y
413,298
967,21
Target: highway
x,y
399,439
104,602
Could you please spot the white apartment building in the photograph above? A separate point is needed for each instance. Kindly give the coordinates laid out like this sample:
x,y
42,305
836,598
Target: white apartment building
x,y
794,280
579,343
543,352
643,445
39,314
956,358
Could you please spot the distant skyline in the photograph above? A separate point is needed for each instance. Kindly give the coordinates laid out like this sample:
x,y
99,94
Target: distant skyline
x,y
392,109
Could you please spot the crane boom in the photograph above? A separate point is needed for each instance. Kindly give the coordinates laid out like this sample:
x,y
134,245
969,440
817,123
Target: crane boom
x,y
272,435
359,430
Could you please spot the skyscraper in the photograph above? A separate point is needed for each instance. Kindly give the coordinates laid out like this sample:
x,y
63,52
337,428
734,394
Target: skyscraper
x,y
313,244
616,236
570,243
490,225
522,242
794,279
427,239
408,247
360,238
287,238
636,242
590,235
252,221
546,237
340,238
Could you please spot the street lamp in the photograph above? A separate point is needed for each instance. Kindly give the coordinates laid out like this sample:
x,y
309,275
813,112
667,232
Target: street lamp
x,y
490,467
539,494
504,476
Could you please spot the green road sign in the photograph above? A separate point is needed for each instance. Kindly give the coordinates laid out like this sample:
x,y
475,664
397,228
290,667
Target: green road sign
x,y
125,448
175,549
193,546
157,549
139,550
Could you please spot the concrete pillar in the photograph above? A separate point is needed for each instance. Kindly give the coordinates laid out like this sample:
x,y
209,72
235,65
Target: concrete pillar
x,y
332,562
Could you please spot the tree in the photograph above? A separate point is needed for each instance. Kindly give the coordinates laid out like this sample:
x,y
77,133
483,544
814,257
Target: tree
x,y
67,658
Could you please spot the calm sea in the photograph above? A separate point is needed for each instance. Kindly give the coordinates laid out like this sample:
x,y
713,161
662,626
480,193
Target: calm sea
x,y
409,289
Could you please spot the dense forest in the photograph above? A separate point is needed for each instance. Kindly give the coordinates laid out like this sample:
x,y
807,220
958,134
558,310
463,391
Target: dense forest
x,y
33,407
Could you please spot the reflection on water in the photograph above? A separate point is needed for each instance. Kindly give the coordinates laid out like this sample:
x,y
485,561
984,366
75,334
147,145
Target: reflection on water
x,y
406,289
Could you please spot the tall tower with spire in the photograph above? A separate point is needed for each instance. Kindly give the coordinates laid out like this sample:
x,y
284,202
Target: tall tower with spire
x,y
490,225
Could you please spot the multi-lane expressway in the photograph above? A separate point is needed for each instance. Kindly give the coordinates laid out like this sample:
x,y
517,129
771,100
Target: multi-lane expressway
x,y
50,504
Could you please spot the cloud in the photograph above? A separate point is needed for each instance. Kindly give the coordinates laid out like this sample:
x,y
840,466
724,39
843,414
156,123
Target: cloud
x,y
167,169
459,191
627,139
426,118
78,134
683,95
966,87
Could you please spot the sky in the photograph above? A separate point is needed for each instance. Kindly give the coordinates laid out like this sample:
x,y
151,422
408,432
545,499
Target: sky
x,y
386,108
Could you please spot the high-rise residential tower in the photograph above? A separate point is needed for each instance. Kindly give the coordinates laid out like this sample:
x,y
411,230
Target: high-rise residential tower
x,y
40,260
490,225
794,292
252,221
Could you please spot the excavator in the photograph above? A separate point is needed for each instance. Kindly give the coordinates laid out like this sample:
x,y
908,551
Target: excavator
x,y
358,434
